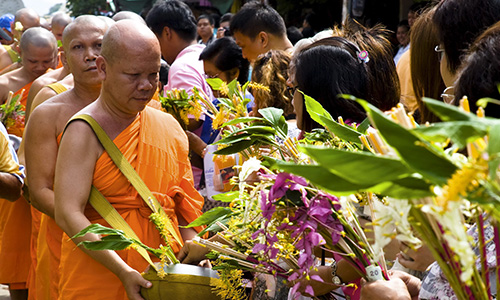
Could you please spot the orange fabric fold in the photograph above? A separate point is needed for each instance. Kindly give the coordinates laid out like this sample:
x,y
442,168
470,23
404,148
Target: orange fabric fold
x,y
15,241
157,148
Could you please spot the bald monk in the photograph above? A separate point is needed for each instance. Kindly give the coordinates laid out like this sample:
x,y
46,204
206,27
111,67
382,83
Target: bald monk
x,y
82,44
38,49
124,15
155,145
27,18
59,21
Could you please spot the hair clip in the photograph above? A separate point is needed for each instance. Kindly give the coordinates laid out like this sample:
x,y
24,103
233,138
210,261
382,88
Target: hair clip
x,y
363,56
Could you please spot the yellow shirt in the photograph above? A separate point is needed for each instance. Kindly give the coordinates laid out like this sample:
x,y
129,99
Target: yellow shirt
x,y
404,73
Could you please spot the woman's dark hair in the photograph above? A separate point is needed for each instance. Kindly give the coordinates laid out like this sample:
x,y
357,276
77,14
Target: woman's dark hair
x,y
424,64
480,75
460,22
271,70
226,55
326,69
383,81
175,15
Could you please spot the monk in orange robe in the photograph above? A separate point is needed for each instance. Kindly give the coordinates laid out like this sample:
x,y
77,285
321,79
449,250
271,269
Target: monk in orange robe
x,y
41,140
11,180
154,144
38,53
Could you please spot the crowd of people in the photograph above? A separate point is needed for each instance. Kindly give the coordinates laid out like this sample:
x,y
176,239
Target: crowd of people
x,y
107,77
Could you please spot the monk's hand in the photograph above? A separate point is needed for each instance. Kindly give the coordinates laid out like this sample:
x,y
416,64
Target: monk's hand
x,y
192,253
133,282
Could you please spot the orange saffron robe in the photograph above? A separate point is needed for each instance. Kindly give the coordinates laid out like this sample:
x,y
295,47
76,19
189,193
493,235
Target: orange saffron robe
x,y
157,148
15,229
46,238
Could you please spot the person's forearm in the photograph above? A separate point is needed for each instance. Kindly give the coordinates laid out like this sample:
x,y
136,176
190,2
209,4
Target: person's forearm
x,y
186,233
43,200
10,187
73,223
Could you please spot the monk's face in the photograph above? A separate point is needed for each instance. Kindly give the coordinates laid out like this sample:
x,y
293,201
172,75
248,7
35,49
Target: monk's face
x,y
131,77
81,50
37,60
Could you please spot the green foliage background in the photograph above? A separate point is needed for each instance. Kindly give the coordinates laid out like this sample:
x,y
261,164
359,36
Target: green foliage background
x,y
82,7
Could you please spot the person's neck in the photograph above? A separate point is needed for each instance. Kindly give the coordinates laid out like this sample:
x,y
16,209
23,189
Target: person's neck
x,y
280,43
86,92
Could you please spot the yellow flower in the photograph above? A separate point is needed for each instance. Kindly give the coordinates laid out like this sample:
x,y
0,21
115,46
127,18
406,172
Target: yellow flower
x,y
462,181
219,119
229,286
258,86
224,89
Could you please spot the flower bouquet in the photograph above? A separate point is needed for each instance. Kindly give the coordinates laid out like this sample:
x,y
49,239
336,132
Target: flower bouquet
x,y
12,114
436,183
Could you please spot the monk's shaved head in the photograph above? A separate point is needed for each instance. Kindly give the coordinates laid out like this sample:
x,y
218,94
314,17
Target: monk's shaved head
x,y
124,15
107,20
85,22
60,19
128,37
28,18
38,37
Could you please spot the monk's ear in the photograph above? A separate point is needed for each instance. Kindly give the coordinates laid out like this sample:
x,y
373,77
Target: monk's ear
x,y
101,66
63,59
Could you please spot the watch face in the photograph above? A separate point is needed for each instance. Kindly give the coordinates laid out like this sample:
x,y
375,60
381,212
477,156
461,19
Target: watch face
x,y
336,280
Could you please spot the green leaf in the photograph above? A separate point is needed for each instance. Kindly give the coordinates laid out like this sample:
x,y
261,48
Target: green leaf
x,y
210,216
460,132
226,197
275,117
111,242
241,120
494,149
98,229
363,127
323,117
322,177
233,88
233,139
362,168
215,83
483,102
315,110
447,112
406,188
235,148
343,132
416,153
271,114
214,227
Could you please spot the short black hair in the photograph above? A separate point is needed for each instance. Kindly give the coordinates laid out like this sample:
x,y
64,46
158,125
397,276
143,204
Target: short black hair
x,y
226,17
208,17
460,22
175,15
343,73
255,17
226,55
294,34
